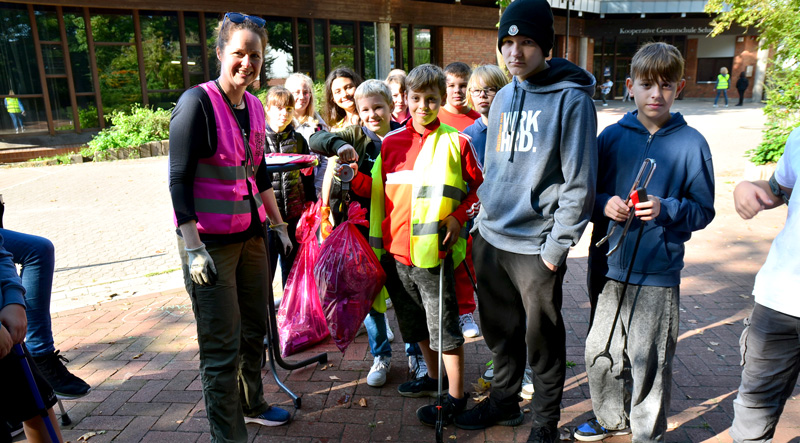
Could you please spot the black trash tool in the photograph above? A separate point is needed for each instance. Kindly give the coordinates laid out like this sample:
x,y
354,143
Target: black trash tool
x,y
37,398
640,195
439,396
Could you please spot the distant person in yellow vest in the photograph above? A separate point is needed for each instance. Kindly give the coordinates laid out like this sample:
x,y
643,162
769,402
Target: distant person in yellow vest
x,y
723,81
16,111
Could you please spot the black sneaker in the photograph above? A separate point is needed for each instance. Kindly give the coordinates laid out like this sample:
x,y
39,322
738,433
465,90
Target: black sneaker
x,y
543,434
422,387
64,383
452,406
14,429
485,414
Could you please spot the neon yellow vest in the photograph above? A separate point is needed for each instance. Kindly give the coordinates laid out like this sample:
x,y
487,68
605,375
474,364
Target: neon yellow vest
x,y
12,105
437,189
722,81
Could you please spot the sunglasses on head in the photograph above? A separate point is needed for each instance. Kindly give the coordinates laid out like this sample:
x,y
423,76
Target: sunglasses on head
x,y
236,17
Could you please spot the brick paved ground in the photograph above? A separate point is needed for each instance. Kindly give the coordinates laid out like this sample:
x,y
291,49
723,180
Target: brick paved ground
x,y
111,227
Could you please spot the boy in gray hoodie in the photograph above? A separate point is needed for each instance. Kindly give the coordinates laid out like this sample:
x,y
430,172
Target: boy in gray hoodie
x,y
536,200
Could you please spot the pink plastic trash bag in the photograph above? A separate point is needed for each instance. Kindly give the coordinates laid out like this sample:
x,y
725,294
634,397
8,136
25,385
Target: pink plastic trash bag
x,y
301,322
349,277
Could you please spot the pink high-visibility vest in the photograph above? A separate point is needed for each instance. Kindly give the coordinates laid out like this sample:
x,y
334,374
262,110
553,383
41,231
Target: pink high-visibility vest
x,y
221,198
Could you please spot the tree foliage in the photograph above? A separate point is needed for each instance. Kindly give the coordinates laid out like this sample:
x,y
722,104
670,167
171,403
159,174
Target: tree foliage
x,y
778,23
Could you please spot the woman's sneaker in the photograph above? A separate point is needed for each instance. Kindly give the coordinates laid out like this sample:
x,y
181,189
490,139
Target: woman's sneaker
x,y
422,387
593,431
389,333
64,383
274,416
377,374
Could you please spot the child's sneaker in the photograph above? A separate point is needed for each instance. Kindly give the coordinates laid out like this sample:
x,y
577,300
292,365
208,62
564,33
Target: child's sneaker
x,y
389,333
527,385
488,375
468,326
377,374
452,406
485,414
593,431
273,416
422,387
417,366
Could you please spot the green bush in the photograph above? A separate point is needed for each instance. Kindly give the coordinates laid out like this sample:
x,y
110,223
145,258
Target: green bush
x,y
132,129
88,117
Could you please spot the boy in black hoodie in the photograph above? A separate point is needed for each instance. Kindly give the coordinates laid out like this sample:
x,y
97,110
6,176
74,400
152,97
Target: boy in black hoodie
x,y
536,199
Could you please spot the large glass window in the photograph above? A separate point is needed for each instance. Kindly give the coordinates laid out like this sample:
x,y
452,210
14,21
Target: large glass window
x,y
319,49
304,64
422,46
342,45
58,91
78,50
47,23
279,62
117,61
18,68
211,44
161,50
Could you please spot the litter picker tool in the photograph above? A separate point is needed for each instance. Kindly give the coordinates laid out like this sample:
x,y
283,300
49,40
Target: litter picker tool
x,y
439,396
638,194
649,167
37,398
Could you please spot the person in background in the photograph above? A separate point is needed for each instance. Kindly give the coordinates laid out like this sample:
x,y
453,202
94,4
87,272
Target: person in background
x,y
217,132
306,119
456,111
723,82
16,111
362,144
484,83
741,87
397,85
605,89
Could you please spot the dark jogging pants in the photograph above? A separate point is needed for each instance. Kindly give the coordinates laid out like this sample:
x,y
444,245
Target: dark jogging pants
x,y
520,303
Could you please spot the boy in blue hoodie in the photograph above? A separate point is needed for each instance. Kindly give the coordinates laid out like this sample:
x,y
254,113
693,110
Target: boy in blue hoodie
x,y
634,391
536,200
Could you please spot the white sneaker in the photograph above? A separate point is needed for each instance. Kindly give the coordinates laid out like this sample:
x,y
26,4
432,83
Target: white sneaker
x,y
389,333
527,385
468,326
417,366
488,375
377,374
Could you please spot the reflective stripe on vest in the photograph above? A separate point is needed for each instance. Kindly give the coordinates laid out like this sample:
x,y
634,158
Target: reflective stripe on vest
x,y
437,188
221,198
722,81
12,105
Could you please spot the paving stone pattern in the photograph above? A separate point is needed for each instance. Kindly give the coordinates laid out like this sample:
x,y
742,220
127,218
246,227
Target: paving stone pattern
x,y
111,226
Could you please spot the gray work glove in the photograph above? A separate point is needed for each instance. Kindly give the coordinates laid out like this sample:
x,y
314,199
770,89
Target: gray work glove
x,y
201,266
281,230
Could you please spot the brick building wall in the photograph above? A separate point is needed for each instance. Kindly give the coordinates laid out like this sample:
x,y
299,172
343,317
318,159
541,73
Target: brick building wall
x,y
471,46
745,54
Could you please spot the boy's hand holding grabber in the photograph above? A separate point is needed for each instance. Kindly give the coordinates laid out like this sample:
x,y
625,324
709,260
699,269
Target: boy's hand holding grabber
x,y
452,230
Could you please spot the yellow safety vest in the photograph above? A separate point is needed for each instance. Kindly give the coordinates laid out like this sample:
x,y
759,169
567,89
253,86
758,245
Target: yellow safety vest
x,y
722,81
437,189
12,105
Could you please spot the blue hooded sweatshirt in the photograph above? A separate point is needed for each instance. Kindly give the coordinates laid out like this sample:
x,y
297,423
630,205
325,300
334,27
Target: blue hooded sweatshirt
x,y
684,182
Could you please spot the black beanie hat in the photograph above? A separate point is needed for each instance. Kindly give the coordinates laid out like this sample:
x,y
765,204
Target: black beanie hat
x,y
531,18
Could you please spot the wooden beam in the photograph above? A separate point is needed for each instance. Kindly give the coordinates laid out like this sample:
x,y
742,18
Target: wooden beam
x,y
76,122
203,39
184,51
40,61
137,31
295,46
87,22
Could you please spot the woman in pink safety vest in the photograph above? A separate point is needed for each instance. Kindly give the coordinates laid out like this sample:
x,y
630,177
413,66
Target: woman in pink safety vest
x,y
222,196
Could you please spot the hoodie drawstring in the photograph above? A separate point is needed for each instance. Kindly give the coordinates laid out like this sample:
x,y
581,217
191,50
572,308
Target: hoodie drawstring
x,y
514,127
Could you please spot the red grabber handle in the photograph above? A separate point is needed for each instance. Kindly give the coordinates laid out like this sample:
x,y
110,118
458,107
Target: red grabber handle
x,y
638,196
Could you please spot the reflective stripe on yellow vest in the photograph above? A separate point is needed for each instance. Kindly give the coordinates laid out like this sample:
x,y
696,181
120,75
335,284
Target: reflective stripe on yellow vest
x,y
722,81
437,189
12,105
